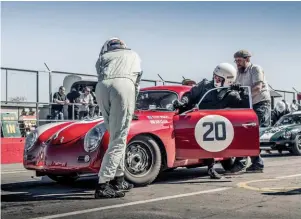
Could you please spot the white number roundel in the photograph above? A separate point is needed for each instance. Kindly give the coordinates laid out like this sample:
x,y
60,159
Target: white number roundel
x,y
214,133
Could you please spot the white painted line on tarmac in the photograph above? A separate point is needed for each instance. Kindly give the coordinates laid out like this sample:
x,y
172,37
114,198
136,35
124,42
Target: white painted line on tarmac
x,y
72,193
290,176
132,203
16,171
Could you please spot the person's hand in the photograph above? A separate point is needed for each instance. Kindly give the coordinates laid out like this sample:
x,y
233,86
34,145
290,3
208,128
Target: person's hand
x,y
67,101
235,86
177,104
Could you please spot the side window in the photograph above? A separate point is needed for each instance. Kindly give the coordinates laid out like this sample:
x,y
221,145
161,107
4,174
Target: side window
x,y
224,98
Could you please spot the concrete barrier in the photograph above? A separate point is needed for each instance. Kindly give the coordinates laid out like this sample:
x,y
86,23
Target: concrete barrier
x,y
12,150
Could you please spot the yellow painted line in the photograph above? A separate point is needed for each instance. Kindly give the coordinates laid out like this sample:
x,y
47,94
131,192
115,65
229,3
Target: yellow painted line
x,y
246,185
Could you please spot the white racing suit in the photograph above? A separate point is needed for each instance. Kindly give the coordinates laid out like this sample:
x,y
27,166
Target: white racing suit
x,y
119,74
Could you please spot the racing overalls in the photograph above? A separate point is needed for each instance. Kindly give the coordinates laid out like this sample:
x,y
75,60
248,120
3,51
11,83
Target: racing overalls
x,y
215,99
119,74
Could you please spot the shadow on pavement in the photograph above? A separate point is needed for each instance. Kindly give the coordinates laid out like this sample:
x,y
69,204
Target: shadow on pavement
x,y
31,197
276,154
83,189
290,192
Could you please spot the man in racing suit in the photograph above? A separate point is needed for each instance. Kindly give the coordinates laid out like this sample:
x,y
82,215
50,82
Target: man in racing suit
x,y
119,73
233,97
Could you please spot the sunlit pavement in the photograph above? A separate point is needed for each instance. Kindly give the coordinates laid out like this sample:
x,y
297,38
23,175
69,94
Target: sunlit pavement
x,y
182,193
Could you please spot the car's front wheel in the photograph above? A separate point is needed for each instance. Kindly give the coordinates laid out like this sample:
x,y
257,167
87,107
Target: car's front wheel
x,y
143,160
296,148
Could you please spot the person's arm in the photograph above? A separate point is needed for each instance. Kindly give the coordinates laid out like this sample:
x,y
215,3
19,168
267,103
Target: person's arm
x,y
56,100
257,80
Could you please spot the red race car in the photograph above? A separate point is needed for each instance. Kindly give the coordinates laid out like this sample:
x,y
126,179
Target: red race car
x,y
159,139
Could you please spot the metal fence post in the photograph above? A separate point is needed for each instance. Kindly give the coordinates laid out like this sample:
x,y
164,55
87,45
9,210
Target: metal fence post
x,y
37,97
6,87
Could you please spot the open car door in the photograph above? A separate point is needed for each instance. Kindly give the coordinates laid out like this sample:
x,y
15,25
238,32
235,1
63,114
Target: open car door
x,y
217,133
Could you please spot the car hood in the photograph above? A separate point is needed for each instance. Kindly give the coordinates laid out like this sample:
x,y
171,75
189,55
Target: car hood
x,y
77,130
283,128
273,133
73,131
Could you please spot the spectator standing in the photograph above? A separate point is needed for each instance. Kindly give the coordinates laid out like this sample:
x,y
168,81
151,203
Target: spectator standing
x,y
57,110
86,100
294,106
73,97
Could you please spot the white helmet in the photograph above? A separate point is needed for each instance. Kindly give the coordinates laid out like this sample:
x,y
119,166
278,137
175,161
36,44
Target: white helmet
x,y
280,106
224,75
110,43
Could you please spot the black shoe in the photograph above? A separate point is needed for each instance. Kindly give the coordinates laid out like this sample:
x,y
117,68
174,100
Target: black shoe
x,y
119,183
107,191
236,170
213,174
254,169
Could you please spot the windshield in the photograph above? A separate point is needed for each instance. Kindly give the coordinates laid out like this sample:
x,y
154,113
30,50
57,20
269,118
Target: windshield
x,y
156,100
289,120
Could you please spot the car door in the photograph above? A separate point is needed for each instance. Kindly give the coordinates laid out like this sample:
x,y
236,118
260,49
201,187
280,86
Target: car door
x,y
213,133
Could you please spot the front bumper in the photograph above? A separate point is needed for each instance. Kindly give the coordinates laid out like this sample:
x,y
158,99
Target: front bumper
x,y
276,145
62,159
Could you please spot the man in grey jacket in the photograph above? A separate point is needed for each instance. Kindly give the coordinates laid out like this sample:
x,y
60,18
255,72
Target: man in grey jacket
x,y
119,73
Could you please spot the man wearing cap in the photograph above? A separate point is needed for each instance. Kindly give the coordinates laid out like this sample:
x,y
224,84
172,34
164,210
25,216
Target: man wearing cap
x,y
253,75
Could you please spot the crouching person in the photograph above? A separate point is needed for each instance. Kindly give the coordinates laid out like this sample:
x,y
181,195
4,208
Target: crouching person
x,y
119,73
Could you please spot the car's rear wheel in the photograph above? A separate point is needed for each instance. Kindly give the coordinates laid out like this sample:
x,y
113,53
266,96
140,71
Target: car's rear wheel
x,y
296,148
228,164
63,179
143,160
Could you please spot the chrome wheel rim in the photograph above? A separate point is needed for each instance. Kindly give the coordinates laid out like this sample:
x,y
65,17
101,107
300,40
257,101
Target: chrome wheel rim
x,y
139,159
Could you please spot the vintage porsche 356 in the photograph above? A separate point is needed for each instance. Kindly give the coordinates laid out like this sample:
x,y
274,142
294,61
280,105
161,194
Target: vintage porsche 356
x,y
159,139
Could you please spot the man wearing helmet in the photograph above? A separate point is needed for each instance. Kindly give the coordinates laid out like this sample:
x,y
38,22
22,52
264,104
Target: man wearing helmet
x,y
119,73
224,75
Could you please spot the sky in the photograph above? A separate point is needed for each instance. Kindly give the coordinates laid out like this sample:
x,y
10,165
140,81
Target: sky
x,y
173,39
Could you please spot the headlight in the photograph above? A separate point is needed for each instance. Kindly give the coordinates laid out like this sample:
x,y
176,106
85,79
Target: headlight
x,y
287,134
94,137
30,140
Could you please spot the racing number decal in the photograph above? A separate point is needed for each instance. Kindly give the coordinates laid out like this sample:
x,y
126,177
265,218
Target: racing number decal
x,y
214,133
219,135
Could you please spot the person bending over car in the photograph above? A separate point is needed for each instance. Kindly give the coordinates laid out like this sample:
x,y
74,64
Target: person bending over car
x,y
234,96
119,73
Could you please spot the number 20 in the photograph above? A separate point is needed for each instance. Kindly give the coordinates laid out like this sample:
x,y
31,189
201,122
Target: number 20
x,y
216,131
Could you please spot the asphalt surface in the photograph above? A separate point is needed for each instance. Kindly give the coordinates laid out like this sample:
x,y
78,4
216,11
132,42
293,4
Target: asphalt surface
x,y
182,193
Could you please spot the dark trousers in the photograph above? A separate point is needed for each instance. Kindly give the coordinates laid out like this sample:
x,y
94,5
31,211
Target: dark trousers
x,y
263,111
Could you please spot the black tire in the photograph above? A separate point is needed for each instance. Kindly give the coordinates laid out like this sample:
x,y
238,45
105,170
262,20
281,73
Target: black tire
x,y
147,153
170,169
228,164
63,179
296,149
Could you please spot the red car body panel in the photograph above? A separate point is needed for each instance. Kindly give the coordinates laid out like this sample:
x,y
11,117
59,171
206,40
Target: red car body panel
x,y
245,141
62,153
